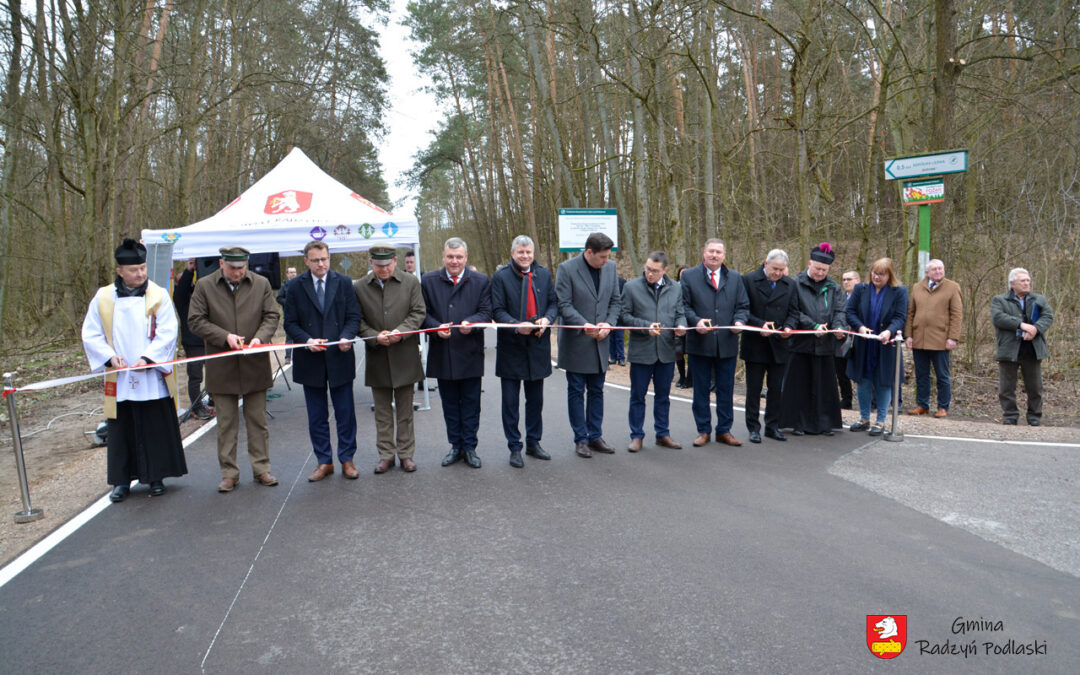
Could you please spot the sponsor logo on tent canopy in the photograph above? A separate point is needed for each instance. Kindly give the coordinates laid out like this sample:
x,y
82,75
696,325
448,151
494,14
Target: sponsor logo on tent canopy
x,y
366,230
288,201
341,232
170,237
367,203
390,229
318,233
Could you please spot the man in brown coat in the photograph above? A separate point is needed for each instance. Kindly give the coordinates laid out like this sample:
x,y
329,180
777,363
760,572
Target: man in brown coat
x,y
391,303
934,319
230,309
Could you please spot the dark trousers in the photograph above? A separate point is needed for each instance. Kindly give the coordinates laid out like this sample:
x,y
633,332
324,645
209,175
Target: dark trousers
x,y
841,379
318,415
617,346
640,376
1031,369
939,358
704,369
586,416
756,374
534,411
461,411
194,372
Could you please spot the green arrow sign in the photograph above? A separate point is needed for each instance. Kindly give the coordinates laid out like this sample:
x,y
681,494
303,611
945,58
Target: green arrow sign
x,y
932,164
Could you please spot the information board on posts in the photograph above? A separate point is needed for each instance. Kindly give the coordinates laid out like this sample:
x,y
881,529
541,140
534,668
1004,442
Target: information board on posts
x,y
575,226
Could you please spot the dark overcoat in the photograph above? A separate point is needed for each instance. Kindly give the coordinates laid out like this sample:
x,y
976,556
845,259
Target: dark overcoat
x,y
779,305
459,356
339,319
397,304
724,306
1006,315
517,356
580,303
893,317
819,302
250,312
182,291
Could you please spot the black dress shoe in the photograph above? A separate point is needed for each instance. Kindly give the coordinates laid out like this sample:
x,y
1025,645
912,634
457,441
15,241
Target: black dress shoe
x,y
515,459
537,452
1033,422
453,456
157,488
775,434
119,493
798,432
582,450
471,459
860,426
1009,421
755,437
828,432
600,445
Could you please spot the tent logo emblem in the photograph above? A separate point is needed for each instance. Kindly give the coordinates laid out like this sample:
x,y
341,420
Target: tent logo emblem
x,y
318,233
170,237
341,232
288,201
390,229
366,230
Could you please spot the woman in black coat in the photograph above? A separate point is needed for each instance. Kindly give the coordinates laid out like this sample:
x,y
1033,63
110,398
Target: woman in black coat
x,y
878,308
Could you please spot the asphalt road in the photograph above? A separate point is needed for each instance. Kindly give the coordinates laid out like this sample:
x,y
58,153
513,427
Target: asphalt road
x,y
760,558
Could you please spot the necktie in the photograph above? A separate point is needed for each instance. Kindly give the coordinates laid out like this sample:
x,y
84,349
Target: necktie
x,y
320,294
454,279
773,285
530,299
715,283
933,285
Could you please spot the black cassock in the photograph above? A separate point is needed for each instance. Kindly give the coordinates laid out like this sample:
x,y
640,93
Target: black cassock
x,y
144,442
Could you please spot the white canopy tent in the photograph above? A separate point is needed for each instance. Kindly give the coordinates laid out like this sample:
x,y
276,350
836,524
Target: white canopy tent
x,y
291,205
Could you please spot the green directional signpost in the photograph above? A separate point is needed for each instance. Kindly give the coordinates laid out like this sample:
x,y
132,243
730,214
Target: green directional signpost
x,y
924,192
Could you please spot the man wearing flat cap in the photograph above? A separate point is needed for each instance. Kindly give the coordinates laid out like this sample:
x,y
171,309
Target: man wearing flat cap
x,y
132,323
391,303
231,309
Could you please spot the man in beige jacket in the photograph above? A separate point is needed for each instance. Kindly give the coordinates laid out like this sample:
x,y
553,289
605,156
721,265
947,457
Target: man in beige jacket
x,y
935,316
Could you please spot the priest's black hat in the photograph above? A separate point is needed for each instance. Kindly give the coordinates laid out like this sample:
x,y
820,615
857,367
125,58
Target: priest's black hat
x,y
130,252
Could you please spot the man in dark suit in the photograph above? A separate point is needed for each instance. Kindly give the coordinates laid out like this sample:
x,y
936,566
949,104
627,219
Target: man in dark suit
x,y
320,307
588,294
773,305
522,292
455,294
713,296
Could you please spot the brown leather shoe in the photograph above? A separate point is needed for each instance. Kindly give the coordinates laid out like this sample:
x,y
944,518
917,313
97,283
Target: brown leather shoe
x,y
728,439
267,479
227,484
348,469
408,465
918,410
600,445
941,412
582,450
667,442
635,445
701,440
384,465
320,472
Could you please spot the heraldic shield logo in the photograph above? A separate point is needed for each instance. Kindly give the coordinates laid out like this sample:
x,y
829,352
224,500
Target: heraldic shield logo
x,y
886,634
287,201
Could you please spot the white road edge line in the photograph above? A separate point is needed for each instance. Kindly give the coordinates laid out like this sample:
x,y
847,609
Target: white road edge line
x,y
35,552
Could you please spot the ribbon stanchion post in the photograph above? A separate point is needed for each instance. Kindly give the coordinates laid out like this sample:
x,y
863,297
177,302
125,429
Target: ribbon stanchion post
x,y
28,514
895,434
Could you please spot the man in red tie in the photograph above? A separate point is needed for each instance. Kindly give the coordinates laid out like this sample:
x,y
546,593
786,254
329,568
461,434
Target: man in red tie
x,y
522,292
714,296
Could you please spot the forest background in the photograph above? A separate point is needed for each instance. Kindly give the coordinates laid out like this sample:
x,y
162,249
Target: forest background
x,y
766,123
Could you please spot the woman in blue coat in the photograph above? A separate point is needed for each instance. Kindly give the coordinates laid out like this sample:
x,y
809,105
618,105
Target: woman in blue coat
x,y
878,308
